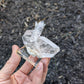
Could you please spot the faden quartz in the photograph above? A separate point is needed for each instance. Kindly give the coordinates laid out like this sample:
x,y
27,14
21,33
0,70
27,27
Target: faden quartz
x,y
37,45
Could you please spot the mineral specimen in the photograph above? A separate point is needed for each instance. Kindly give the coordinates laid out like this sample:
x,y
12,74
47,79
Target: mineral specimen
x,y
37,45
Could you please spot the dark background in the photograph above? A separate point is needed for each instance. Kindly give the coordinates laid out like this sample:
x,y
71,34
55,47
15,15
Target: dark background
x,y
64,26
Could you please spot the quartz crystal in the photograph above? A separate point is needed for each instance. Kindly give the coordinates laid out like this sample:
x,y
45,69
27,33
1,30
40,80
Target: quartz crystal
x,y
37,45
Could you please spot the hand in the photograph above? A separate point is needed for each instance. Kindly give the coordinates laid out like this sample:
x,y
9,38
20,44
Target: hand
x,y
37,76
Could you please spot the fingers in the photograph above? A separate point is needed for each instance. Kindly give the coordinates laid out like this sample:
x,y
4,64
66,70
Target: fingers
x,y
12,63
20,78
37,74
26,67
45,62
40,74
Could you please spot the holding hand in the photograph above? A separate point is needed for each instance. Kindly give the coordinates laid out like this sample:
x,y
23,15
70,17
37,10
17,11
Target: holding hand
x,y
37,76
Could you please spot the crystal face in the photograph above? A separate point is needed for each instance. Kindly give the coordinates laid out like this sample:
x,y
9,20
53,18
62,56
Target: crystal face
x,y
37,45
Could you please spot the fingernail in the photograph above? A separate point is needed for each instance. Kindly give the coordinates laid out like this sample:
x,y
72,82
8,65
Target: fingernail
x,y
39,66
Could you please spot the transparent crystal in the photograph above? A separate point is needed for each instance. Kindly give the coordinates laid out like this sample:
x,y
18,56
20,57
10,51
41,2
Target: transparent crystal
x,y
37,45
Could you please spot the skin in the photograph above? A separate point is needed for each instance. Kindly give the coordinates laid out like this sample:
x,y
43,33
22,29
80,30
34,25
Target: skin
x,y
37,76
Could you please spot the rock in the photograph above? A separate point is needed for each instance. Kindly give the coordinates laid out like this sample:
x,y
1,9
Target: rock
x,y
0,37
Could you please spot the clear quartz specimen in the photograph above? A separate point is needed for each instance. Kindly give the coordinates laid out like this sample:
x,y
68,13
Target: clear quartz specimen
x,y
37,45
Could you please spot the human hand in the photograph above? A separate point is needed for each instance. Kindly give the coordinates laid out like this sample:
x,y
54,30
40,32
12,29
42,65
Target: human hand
x,y
37,76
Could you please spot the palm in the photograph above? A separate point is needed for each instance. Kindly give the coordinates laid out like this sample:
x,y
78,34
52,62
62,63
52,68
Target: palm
x,y
17,78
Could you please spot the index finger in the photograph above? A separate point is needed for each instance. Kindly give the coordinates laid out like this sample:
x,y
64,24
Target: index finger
x,y
45,62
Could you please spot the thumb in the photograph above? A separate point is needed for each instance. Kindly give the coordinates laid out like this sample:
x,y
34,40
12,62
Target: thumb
x,y
37,74
12,63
